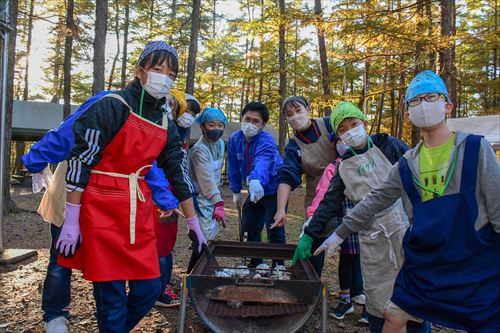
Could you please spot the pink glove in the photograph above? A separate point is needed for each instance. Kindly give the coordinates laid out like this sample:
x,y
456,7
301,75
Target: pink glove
x,y
195,233
70,236
219,215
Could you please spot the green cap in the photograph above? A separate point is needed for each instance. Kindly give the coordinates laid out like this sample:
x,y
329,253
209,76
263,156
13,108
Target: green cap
x,y
342,111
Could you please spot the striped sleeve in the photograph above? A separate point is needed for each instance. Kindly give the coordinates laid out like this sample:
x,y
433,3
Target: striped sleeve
x,y
93,130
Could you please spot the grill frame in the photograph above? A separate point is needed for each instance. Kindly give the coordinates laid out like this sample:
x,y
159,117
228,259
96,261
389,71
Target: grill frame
x,y
306,290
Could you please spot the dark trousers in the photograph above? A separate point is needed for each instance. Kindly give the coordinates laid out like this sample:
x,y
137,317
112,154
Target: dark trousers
x,y
118,312
166,267
56,294
376,324
350,273
257,215
317,261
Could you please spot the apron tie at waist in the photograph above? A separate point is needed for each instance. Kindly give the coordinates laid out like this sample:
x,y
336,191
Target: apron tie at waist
x,y
392,253
135,192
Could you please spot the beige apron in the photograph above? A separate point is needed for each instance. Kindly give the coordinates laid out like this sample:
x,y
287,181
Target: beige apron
x,y
381,246
53,204
315,158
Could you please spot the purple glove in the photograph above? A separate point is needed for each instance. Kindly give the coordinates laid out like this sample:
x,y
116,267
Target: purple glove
x,y
70,235
195,233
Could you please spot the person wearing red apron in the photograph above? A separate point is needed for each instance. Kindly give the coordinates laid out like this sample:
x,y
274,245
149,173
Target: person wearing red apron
x,y
109,229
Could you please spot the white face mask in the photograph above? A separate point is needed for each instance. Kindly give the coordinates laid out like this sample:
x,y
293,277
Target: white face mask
x,y
342,148
249,130
355,137
158,85
427,114
185,120
299,122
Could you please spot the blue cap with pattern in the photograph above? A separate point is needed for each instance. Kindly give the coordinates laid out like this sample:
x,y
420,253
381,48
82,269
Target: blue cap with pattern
x,y
426,82
211,114
157,45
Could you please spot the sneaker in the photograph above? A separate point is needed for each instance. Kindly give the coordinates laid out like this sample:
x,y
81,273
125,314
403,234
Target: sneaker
x,y
359,299
168,298
364,317
341,310
57,325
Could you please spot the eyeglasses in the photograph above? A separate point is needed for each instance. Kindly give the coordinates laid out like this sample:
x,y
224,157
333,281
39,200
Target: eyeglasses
x,y
428,98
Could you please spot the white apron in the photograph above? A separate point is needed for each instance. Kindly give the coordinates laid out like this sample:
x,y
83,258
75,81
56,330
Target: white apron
x,y
381,246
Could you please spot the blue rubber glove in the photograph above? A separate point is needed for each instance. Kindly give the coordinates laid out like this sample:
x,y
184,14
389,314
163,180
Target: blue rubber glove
x,y
256,190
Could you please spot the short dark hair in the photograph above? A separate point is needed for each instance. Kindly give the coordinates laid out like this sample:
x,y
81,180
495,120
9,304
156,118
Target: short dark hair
x,y
257,107
193,106
158,58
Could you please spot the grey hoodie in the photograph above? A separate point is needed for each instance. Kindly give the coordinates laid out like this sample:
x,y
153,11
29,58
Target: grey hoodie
x,y
487,189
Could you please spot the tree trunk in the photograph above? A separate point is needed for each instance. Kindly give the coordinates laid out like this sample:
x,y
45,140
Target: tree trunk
x,y
8,204
28,50
117,34
213,63
419,63
325,74
57,80
363,101
68,52
173,13
193,47
447,54
282,86
432,53
101,27
125,44
401,97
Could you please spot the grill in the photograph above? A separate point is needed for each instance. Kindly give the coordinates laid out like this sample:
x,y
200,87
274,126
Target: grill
x,y
247,305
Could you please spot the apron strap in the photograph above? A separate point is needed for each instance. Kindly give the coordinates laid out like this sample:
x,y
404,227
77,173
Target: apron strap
x,y
135,192
470,164
407,180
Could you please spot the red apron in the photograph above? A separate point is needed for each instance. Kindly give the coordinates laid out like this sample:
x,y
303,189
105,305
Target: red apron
x,y
119,244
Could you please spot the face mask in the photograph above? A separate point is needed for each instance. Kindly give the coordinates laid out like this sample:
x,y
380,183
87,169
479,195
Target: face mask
x,y
427,114
185,120
342,148
213,135
355,137
249,130
299,122
158,85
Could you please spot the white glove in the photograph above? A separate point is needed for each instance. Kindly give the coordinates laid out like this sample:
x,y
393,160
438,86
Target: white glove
x,y
41,179
306,223
237,199
256,190
330,244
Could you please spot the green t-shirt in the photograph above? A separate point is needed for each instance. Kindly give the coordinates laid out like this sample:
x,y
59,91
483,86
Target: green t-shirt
x,y
433,168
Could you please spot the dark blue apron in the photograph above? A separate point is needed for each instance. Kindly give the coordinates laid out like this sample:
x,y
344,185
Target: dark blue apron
x,y
451,271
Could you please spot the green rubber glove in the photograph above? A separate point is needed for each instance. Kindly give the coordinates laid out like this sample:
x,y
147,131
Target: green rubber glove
x,y
303,250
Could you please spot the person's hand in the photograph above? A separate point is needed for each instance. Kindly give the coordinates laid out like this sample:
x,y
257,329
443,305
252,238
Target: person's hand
x,y
279,219
70,236
167,213
195,233
237,200
330,244
256,190
41,179
303,250
219,214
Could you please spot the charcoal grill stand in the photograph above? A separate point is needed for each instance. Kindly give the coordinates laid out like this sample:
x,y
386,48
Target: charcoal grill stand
x,y
185,292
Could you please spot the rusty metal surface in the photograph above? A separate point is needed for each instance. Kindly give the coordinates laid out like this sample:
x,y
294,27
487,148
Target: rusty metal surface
x,y
252,294
254,310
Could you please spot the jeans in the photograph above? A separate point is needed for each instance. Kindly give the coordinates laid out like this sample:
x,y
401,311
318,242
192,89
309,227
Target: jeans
x,y
317,261
56,294
257,215
118,312
166,267
350,273
376,324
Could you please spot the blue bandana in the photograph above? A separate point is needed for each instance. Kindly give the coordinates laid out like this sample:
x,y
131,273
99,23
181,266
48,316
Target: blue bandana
x,y
211,114
157,45
426,82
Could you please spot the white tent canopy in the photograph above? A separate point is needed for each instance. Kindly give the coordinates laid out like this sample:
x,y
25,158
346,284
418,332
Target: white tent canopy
x,y
487,126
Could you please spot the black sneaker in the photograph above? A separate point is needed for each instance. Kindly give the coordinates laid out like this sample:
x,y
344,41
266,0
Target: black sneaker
x,y
364,317
341,310
168,298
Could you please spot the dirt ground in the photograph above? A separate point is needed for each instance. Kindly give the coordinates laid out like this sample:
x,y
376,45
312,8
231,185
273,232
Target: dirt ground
x,y
21,285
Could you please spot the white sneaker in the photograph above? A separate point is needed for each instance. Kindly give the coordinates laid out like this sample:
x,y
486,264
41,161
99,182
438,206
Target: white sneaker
x,y
359,299
57,325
